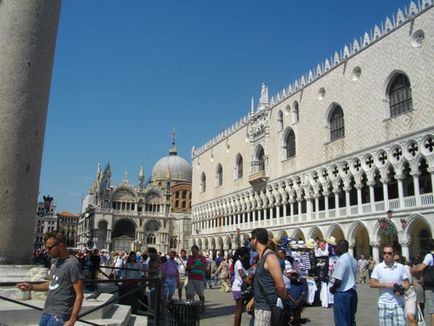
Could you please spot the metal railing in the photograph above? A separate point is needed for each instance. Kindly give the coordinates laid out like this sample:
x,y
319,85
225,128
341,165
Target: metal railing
x,y
127,288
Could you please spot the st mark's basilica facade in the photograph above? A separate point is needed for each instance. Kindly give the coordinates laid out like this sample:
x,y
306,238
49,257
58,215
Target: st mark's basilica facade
x,y
154,213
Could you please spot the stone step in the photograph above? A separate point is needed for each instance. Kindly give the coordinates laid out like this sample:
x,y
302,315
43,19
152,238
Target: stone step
x,y
136,320
118,315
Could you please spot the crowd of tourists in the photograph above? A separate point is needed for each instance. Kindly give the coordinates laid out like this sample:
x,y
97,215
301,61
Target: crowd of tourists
x,y
271,279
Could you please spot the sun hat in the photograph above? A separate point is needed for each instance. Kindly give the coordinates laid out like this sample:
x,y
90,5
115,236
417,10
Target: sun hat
x,y
331,240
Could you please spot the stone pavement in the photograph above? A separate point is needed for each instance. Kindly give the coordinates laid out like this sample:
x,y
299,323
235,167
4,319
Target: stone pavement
x,y
220,309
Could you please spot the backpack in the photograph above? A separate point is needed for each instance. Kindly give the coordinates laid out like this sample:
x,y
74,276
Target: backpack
x,y
428,275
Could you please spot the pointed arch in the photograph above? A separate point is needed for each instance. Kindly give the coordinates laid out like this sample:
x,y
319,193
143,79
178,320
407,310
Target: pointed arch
x,y
288,143
219,175
203,182
280,120
295,112
239,166
399,94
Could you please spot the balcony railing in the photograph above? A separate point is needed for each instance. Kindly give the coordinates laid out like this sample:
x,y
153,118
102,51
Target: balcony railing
x,y
366,209
258,177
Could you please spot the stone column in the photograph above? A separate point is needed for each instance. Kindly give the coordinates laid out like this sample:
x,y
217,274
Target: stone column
x,y
416,187
336,192
347,200
386,195
405,251
27,41
399,178
375,251
372,196
359,187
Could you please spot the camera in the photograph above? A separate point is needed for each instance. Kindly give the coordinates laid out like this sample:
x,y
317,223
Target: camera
x,y
398,289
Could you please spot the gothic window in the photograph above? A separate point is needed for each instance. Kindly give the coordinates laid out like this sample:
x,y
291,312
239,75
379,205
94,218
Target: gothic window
x,y
259,163
290,144
203,182
239,167
295,113
219,175
280,120
337,126
400,100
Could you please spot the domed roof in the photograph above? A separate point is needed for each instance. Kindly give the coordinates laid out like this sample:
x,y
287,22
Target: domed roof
x,y
172,167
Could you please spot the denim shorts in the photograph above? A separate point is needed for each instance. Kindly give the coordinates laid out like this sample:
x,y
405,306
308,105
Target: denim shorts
x,y
52,320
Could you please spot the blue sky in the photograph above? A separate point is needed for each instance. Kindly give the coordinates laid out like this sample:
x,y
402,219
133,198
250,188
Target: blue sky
x,y
127,72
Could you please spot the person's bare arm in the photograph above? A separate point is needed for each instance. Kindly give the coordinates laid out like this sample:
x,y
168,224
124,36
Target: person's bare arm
x,y
375,284
24,286
418,268
274,268
78,289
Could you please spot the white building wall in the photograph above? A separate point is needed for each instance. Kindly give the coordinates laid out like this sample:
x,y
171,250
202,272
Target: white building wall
x,y
368,129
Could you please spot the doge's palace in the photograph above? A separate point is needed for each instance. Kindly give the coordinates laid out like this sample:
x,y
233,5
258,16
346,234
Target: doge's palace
x,y
334,151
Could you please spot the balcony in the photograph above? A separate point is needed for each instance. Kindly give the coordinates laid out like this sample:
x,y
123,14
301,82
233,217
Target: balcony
x,y
258,177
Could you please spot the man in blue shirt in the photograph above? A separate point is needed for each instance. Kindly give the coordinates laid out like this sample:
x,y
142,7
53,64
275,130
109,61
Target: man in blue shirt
x,y
344,287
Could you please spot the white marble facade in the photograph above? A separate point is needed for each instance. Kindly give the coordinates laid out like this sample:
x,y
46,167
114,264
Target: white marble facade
x,y
334,151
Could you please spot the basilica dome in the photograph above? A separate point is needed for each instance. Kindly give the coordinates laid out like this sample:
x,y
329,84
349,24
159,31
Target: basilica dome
x,y
172,167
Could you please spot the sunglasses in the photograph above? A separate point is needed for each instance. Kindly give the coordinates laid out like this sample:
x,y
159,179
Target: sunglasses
x,y
387,253
51,247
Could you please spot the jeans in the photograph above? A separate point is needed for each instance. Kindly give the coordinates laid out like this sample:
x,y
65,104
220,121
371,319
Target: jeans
x,y
52,320
345,308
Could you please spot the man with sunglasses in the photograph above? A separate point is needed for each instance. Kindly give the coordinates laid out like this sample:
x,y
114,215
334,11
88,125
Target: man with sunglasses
x,y
391,279
65,287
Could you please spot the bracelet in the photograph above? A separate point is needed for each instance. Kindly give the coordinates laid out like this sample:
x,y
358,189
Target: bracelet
x,y
31,287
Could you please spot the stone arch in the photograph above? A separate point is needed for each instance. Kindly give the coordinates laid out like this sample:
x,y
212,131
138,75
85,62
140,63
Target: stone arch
x,y
124,194
123,234
327,117
298,234
418,231
315,232
211,243
281,234
227,242
335,230
219,243
288,144
358,237
204,244
199,243
152,226
101,234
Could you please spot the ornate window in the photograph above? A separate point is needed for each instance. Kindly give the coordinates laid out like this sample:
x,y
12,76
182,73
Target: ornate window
x,y
219,175
337,126
259,163
290,144
203,182
280,120
239,167
400,100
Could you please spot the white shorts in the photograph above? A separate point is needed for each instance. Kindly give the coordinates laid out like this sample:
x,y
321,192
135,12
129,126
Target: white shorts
x,y
410,301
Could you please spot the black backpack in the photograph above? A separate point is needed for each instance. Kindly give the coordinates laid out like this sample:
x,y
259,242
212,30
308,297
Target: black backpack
x,y
428,275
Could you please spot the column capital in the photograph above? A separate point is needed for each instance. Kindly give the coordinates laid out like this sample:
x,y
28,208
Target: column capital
x,y
415,173
375,245
358,186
